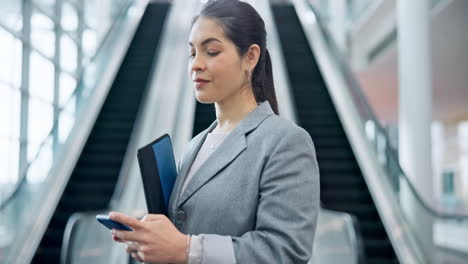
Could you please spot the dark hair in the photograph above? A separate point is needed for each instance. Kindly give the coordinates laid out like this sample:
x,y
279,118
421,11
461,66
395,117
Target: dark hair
x,y
243,25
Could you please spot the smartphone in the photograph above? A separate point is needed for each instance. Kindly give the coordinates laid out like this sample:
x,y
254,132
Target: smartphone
x,y
111,224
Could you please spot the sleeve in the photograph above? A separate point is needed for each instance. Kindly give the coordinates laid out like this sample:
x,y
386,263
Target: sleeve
x,y
196,249
287,211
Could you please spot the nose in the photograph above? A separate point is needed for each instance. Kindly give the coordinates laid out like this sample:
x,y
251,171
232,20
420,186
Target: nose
x,y
197,64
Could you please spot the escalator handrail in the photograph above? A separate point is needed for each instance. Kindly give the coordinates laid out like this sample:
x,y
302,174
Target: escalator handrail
x,y
353,83
70,229
4,202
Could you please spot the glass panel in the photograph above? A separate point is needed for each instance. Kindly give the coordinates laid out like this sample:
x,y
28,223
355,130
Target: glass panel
x,y
10,14
41,78
39,169
69,18
67,87
46,5
10,104
9,165
358,8
42,33
68,54
41,116
66,121
89,43
98,16
10,58
18,218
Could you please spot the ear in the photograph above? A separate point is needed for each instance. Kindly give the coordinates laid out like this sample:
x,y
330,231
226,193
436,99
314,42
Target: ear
x,y
252,56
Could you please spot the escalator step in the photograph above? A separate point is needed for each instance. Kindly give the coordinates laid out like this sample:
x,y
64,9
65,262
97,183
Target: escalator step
x,y
91,187
374,260
335,154
96,157
371,229
84,203
47,255
60,218
106,148
325,132
98,163
54,236
360,210
334,166
97,172
337,195
378,248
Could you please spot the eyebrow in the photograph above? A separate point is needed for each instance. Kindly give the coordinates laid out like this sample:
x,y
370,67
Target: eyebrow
x,y
206,41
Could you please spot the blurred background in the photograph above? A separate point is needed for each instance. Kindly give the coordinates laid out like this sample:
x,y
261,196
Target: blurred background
x,y
380,85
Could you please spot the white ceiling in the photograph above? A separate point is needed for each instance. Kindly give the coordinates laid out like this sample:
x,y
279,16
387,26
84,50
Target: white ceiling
x,y
449,45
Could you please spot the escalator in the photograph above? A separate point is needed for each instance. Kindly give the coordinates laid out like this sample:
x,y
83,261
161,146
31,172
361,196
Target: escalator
x,y
205,114
94,178
343,187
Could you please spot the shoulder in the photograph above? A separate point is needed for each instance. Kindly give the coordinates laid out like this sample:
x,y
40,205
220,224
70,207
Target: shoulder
x,y
279,129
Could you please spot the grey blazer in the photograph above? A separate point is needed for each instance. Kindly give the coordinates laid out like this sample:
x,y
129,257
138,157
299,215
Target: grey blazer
x,y
257,193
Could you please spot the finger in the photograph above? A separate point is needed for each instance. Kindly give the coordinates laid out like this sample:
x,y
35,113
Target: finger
x,y
115,238
135,255
152,217
130,249
126,220
140,257
127,235
131,246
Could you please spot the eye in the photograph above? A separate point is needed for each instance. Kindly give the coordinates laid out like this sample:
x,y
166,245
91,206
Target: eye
x,y
212,54
192,55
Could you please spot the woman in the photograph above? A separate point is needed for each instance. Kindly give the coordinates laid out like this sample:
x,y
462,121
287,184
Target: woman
x,y
248,186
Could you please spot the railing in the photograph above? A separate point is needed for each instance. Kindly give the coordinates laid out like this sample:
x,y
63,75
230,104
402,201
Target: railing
x,y
17,207
337,239
375,136
378,135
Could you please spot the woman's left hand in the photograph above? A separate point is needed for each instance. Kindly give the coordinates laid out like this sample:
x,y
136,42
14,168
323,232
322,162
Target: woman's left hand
x,y
153,239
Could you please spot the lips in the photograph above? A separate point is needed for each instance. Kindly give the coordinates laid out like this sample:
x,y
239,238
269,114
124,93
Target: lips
x,y
199,82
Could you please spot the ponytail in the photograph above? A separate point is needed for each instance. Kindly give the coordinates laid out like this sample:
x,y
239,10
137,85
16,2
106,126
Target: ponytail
x,y
262,82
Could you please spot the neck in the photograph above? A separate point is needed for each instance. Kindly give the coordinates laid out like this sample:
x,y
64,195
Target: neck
x,y
231,110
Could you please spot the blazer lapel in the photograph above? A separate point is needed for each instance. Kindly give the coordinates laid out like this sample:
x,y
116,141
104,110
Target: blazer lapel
x,y
187,162
227,151
232,146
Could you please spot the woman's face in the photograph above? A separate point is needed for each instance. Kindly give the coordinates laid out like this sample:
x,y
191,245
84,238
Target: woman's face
x,y
214,65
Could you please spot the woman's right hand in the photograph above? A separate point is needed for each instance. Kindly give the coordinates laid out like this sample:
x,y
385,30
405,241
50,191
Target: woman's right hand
x,y
116,239
130,248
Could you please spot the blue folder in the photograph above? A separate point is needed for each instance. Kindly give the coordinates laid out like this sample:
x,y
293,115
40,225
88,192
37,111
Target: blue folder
x,y
158,172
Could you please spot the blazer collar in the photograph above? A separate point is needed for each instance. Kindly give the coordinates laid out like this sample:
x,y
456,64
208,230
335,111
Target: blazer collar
x,y
225,153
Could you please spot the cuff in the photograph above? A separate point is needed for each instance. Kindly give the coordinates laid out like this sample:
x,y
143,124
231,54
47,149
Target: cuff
x,y
218,249
196,249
